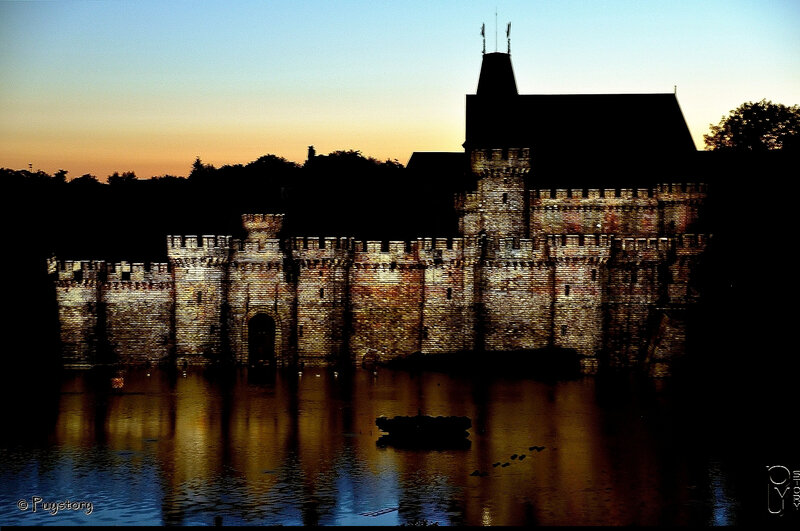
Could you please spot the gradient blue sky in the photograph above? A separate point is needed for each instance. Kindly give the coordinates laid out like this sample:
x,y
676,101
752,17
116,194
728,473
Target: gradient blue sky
x,y
94,87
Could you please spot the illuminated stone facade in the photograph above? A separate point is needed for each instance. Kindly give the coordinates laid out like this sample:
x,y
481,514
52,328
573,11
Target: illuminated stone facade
x,y
606,272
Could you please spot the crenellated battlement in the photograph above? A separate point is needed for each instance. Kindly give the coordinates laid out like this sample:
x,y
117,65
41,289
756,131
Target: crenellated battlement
x,y
687,189
102,272
557,241
500,162
321,249
630,196
139,272
254,247
507,156
262,227
386,251
206,246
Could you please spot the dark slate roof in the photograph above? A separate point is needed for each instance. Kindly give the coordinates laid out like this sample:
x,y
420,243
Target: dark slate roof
x,y
607,123
575,138
497,76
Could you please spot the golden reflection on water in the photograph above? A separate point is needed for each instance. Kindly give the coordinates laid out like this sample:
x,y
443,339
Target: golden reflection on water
x,y
315,434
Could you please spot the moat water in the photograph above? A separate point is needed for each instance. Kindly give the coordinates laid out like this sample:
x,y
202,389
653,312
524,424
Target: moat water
x,y
263,448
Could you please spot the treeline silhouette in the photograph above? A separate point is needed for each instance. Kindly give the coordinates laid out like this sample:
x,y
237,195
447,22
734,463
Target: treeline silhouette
x,y
340,194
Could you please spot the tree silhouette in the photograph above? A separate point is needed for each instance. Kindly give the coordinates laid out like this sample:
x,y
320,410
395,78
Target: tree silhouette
x,y
126,177
60,176
758,127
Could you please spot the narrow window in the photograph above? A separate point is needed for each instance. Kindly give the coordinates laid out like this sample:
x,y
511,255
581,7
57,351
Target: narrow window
x,y
77,275
594,274
563,330
566,290
300,330
321,293
449,293
198,296
505,198
633,276
126,276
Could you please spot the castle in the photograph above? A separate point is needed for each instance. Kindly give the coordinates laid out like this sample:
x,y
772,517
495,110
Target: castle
x,y
605,272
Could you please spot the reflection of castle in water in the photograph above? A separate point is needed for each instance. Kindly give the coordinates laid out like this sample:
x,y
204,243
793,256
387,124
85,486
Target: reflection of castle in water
x,y
606,272
292,449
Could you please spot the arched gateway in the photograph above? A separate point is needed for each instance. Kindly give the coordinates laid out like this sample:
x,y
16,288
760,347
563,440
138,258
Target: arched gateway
x,y
261,340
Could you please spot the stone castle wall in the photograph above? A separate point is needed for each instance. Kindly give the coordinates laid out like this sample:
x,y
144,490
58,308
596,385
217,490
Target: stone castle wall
x,y
110,312
336,299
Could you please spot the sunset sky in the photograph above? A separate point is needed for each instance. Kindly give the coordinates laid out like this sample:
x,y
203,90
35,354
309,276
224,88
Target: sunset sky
x,y
98,87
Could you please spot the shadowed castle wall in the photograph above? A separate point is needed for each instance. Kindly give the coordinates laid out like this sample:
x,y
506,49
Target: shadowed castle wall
x,y
114,312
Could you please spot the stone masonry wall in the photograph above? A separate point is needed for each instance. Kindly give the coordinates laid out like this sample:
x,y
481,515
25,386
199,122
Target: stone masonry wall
x,y
448,311
322,298
200,272
386,294
335,299
665,209
139,312
516,295
114,312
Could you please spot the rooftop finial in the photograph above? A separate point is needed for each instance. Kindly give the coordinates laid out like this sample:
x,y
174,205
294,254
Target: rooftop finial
x,y
508,36
483,34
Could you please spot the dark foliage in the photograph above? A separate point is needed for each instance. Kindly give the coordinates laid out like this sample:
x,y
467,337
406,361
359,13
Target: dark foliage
x,y
757,127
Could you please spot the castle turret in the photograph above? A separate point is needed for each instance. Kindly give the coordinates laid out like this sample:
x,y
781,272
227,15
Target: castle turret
x,y
497,159
262,227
